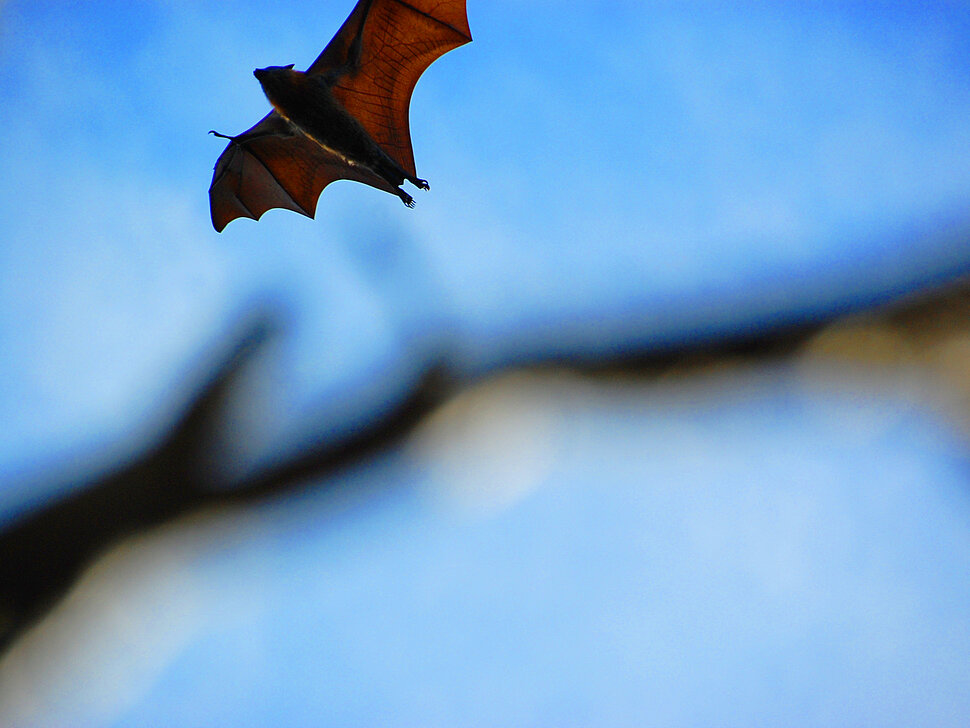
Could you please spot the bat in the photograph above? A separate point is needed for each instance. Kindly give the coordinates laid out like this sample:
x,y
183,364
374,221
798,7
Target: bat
x,y
346,117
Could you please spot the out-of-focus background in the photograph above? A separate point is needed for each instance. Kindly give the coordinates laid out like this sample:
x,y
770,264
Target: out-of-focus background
x,y
653,412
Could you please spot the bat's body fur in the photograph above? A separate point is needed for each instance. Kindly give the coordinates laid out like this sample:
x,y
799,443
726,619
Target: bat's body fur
x,y
308,104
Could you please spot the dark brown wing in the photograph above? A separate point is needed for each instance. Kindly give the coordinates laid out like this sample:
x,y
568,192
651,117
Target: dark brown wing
x,y
400,39
271,166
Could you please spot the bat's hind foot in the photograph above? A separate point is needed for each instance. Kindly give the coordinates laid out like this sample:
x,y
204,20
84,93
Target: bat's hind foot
x,y
406,198
421,184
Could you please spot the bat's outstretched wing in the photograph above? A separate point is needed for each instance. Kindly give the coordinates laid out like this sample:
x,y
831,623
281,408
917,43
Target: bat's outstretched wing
x,y
272,166
379,54
374,62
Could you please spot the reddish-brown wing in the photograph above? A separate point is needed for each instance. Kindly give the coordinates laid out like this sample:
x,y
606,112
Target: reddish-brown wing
x,y
270,166
401,38
377,55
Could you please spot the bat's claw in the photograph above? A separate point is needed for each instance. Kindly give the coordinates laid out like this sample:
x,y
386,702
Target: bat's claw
x,y
423,184
406,198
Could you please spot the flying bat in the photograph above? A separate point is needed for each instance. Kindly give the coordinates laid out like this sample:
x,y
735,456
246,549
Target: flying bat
x,y
346,117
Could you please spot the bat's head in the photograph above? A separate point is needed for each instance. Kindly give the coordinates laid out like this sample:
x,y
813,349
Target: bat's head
x,y
271,73
276,81
261,73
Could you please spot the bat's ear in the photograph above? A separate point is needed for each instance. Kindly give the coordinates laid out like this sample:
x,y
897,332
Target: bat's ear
x,y
289,67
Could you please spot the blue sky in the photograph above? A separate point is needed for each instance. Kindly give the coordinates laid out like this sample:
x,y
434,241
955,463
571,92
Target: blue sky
x,y
606,178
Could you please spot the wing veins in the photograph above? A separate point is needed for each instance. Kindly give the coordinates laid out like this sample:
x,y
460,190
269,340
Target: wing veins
x,y
276,179
429,16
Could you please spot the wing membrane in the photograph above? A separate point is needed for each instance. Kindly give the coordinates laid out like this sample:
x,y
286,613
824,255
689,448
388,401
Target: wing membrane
x,y
375,59
272,166
400,39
